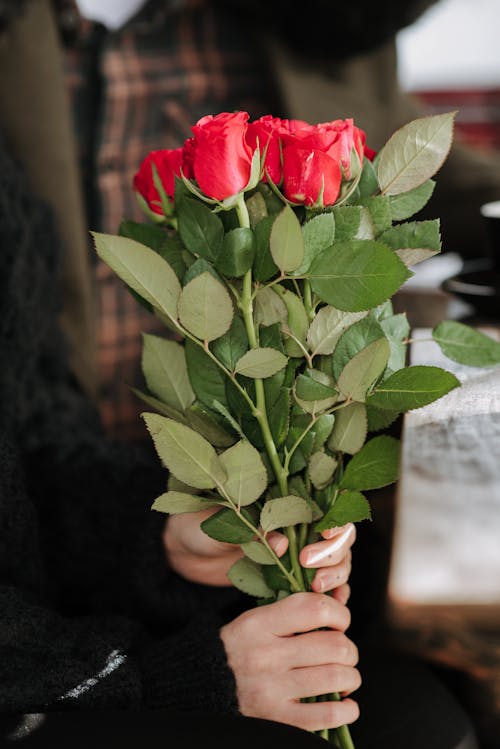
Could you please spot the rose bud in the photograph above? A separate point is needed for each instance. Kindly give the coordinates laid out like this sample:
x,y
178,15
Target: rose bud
x,y
222,158
167,163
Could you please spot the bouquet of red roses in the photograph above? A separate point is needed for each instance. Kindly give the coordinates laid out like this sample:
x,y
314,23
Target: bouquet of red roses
x,y
272,251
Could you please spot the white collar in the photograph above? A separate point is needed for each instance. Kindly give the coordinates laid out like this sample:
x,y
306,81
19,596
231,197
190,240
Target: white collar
x,y
111,13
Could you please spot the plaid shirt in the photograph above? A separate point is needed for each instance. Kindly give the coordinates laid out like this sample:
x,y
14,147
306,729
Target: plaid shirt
x,y
133,91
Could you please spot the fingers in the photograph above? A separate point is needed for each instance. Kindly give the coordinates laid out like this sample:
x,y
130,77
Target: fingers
x,y
318,715
317,680
278,542
304,612
331,551
329,578
317,648
342,594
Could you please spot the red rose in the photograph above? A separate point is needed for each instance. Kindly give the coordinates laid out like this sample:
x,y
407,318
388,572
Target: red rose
x,y
168,166
311,165
222,158
348,137
267,131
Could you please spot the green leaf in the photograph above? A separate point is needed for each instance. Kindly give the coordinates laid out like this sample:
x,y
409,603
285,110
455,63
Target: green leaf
x,y
357,275
286,241
318,234
264,267
321,404
309,389
201,230
205,308
269,308
165,371
320,469
296,323
350,507
379,209
327,327
247,577
257,552
363,370
142,269
406,204
283,512
368,183
347,222
150,235
356,338
246,473
198,267
414,153
279,416
175,503
396,326
169,247
412,387
397,329
174,485
411,257
350,429
158,405
238,253
207,380
232,345
205,423
413,235
465,345
220,408
185,453
228,527
322,430
374,466
260,363
257,209
379,419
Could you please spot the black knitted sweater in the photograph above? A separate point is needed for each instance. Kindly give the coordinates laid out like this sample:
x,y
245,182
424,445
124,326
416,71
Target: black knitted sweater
x,y
90,617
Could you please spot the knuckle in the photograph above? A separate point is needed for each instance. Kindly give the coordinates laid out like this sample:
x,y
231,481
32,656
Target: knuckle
x,y
333,714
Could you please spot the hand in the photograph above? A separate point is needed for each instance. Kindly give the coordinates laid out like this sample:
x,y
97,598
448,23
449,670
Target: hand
x,y
201,559
274,669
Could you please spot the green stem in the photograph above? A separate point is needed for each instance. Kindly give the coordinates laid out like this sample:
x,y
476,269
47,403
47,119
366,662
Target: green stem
x,y
260,412
281,472
343,737
308,299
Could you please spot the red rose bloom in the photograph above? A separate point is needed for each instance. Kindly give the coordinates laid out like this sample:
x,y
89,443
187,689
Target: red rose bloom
x,y
168,165
267,131
222,158
311,165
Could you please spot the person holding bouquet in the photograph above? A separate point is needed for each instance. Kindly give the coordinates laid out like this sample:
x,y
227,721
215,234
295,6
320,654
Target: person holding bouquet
x,y
92,617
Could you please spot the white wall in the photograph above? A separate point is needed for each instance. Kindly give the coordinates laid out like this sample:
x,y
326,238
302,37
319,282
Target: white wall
x,y
455,44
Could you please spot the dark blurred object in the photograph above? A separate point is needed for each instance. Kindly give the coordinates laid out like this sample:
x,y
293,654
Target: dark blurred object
x,y
491,215
478,284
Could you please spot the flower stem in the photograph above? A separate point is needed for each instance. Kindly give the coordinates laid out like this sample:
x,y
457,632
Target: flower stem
x,y
280,471
261,412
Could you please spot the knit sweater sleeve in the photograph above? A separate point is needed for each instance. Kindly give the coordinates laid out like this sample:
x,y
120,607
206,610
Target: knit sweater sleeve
x,y
90,616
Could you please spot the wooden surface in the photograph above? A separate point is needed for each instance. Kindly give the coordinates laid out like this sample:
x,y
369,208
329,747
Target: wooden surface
x,y
443,594
447,528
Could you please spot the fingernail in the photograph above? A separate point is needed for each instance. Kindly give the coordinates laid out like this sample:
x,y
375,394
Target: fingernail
x,y
332,532
325,549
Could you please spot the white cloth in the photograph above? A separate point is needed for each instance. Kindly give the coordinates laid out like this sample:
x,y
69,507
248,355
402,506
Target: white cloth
x,y
111,13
